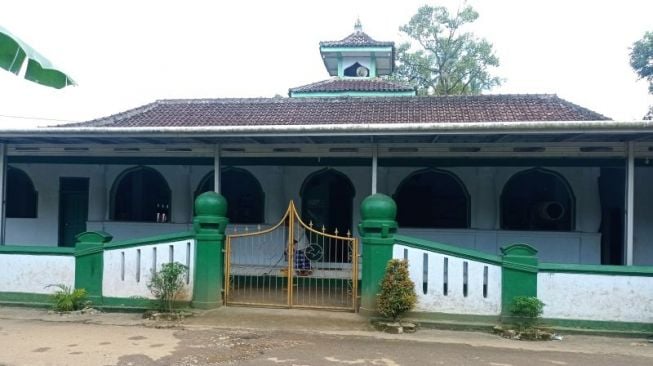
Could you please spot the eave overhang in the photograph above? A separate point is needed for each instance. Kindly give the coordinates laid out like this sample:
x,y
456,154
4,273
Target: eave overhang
x,y
630,130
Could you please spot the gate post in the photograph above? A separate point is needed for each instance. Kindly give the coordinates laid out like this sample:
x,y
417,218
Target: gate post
x,y
377,229
89,263
518,274
209,224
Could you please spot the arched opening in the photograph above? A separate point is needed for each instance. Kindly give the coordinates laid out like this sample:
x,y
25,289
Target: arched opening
x,y
140,194
243,192
22,198
432,198
327,200
537,199
357,70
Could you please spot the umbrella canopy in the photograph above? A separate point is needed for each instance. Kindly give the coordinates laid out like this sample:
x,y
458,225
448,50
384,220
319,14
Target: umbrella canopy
x,y
14,53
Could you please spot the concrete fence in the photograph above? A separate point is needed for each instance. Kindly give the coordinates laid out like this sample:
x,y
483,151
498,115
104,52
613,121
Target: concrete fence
x,y
116,274
32,270
447,283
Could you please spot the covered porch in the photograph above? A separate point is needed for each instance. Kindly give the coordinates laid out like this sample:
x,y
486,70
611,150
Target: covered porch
x,y
577,195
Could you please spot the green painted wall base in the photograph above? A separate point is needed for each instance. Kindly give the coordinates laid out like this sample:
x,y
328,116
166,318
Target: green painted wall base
x,y
25,299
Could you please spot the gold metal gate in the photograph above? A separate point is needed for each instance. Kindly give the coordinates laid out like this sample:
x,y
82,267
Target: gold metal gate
x,y
292,264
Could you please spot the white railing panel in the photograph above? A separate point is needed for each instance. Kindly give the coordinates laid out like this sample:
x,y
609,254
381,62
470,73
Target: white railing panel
x,y
125,277
475,301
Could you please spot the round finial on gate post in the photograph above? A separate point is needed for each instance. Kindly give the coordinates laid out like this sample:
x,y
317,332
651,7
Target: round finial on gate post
x,y
378,207
378,216
210,204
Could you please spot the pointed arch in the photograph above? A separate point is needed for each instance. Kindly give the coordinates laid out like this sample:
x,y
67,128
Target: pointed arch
x,y
243,192
432,198
327,200
138,194
538,199
22,198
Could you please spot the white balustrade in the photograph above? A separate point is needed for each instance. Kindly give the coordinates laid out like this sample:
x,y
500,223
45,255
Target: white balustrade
x,y
128,270
450,284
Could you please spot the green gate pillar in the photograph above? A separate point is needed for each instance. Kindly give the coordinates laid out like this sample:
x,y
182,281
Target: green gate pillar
x,y
89,263
209,224
377,229
518,274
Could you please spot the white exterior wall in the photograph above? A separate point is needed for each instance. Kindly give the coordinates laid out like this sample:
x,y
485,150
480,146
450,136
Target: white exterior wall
x,y
485,185
596,297
283,183
128,279
454,302
25,272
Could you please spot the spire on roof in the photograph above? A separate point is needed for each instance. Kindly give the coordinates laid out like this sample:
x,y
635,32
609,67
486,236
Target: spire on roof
x,y
358,27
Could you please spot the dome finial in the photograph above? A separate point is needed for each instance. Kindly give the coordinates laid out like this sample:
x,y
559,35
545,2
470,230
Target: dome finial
x,y
358,27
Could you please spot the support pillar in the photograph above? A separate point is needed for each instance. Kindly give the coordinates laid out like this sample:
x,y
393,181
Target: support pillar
x,y
209,224
630,204
216,168
518,274
3,193
375,169
89,263
377,228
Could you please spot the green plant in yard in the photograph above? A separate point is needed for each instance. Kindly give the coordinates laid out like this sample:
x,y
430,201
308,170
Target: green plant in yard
x,y
168,284
526,311
397,294
68,299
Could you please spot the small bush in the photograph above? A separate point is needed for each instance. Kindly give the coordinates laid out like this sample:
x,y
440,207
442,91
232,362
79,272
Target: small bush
x,y
527,311
167,284
68,299
397,294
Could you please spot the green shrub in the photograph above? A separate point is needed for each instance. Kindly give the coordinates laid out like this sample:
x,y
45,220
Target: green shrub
x,y
68,299
167,284
526,311
397,294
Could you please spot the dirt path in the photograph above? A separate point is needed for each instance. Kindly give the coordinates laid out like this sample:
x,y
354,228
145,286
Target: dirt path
x,y
274,337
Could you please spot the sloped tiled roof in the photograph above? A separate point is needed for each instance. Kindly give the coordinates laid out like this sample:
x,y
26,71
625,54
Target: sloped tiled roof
x,y
361,110
355,84
357,39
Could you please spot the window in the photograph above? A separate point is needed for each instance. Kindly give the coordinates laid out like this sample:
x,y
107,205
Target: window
x,y
22,198
140,194
357,70
537,199
243,192
432,198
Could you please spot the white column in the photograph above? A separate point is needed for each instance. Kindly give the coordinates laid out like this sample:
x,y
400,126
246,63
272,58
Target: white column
x,y
375,168
484,209
216,168
630,203
97,204
3,195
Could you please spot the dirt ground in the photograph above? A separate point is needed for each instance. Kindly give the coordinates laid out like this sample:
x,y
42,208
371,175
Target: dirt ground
x,y
242,336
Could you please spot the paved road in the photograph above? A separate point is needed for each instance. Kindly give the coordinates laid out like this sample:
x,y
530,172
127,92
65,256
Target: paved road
x,y
38,342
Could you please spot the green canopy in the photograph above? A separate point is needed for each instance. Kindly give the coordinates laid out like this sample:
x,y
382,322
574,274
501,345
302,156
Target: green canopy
x,y
14,53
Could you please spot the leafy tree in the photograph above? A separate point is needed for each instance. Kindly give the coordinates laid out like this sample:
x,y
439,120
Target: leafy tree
x,y
448,60
641,60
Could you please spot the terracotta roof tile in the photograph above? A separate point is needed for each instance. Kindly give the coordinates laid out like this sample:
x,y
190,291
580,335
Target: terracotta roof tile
x,y
357,39
335,110
342,85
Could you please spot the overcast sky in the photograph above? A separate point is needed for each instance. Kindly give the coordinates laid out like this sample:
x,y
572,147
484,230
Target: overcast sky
x,y
125,53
